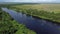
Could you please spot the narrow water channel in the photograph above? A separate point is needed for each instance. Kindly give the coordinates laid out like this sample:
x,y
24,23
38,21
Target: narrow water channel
x,y
38,25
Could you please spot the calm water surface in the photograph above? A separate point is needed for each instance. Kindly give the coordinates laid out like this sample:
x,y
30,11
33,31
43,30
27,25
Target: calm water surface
x,y
38,25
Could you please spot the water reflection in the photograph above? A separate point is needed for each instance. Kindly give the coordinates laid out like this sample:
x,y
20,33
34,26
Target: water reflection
x,y
39,25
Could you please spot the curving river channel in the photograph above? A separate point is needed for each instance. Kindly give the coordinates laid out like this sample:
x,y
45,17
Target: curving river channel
x,y
40,26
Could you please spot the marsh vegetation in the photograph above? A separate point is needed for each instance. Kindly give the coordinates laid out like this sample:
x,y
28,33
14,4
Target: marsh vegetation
x,y
45,11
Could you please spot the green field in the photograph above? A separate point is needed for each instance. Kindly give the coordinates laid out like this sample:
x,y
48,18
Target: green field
x,y
45,11
46,7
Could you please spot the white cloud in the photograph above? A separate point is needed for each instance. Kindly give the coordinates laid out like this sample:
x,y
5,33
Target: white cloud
x,y
29,0
44,0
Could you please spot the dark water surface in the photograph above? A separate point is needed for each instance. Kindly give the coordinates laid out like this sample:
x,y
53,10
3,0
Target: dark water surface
x,y
38,25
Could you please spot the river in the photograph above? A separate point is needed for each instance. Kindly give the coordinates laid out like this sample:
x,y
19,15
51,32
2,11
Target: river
x,y
40,26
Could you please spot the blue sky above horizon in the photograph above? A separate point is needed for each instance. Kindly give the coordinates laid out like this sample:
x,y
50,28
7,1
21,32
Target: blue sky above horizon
x,y
37,1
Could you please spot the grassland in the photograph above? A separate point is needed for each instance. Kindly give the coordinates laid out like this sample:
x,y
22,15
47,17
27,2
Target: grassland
x,y
9,26
45,11
46,7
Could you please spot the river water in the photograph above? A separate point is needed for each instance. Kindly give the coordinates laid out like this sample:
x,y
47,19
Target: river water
x,y
40,26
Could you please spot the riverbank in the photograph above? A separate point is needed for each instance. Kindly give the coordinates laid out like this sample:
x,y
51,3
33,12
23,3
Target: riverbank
x,y
50,16
44,18
9,26
40,26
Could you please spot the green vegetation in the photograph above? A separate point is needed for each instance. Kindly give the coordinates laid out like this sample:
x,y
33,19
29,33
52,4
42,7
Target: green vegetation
x,y
45,11
9,26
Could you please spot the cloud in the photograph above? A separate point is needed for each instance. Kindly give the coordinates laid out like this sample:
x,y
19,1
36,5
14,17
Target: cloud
x,y
34,0
29,0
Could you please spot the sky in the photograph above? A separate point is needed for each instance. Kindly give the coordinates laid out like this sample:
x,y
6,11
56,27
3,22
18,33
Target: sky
x,y
37,1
